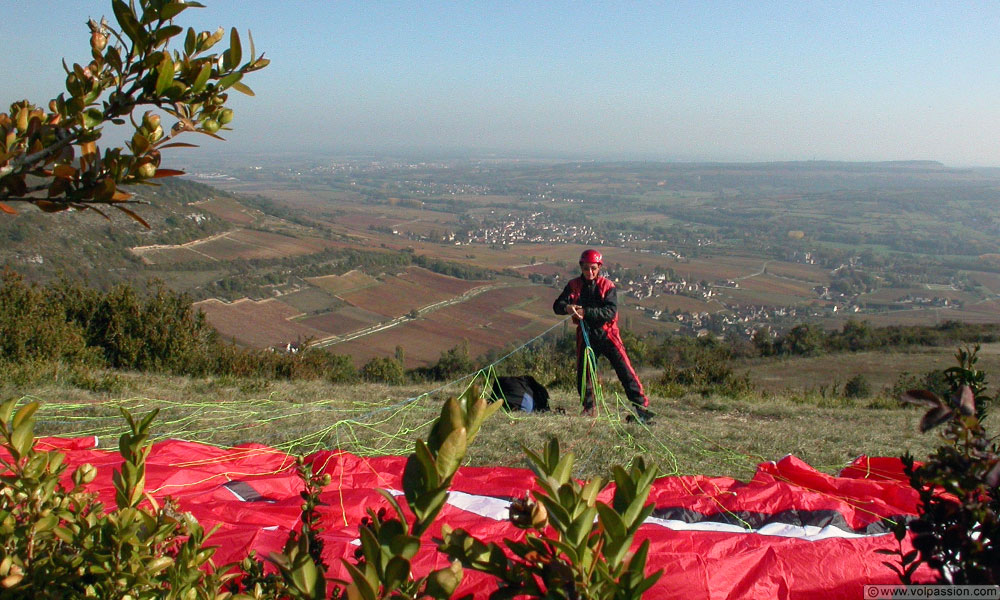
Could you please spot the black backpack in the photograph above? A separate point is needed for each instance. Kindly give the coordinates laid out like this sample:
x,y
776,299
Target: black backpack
x,y
521,393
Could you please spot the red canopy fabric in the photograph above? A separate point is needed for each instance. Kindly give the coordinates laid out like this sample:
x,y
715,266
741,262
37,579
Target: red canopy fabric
x,y
789,532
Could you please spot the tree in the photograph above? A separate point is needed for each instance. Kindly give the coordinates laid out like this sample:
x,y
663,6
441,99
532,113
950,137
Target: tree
x,y
383,369
803,339
50,158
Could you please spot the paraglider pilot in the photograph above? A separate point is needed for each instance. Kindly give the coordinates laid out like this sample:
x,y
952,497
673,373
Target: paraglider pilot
x,y
593,302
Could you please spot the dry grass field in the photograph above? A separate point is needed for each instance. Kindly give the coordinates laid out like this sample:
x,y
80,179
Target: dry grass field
x,y
771,284
809,273
671,302
342,284
312,300
990,281
747,296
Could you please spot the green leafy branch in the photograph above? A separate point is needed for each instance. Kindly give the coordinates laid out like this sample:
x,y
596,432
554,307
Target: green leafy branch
x,y
50,158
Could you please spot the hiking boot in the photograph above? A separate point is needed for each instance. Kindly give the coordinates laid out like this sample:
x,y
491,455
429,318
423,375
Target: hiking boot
x,y
641,415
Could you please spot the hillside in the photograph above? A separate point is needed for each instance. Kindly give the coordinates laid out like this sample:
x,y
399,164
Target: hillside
x,y
472,253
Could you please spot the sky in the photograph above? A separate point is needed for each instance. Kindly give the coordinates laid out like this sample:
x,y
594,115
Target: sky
x,y
674,80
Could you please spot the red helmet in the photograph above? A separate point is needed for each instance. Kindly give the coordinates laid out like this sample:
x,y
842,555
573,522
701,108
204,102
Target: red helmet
x,y
591,257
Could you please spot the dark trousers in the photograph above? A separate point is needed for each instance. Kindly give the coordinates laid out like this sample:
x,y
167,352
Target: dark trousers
x,y
610,347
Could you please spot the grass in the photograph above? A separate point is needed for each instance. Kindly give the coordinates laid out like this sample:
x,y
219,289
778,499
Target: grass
x,y
805,375
692,434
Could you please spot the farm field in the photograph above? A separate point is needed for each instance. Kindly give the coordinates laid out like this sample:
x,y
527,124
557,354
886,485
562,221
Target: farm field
x,y
721,268
770,284
748,296
394,296
897,294
343,321
229,210
236,244
991,281
258,324
808,374
671,302
341,284
491,320
312,300
808,273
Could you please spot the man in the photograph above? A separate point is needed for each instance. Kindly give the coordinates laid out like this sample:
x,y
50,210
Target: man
x,y
593,303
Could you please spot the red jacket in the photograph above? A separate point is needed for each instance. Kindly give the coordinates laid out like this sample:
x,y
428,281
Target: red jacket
x,y
600,302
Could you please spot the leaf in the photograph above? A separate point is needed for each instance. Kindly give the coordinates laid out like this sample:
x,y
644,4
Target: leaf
x,y
393,503
611,521
405,546
92,117
172,10
921,398
242,87
51,207
93,208
23,414
64,171
967,401
564,469
166,74
304,577
218,137
165,33
189,42
147,420
202,78
589,492
7,209
177,145
166,173
369,544
104,190
365,588
582,525
23,439
451,453
235,48
130,25
934,417
993,476
397,571
227,81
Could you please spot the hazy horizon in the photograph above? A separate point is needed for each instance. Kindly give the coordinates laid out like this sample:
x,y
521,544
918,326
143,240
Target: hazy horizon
x,y
674,81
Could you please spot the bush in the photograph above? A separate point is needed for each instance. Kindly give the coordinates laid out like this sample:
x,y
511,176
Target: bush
x,y
61,543
34,328
857,387
383,370
957,532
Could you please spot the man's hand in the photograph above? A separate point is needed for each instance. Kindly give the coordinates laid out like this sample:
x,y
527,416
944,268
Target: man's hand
x,y
576,311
